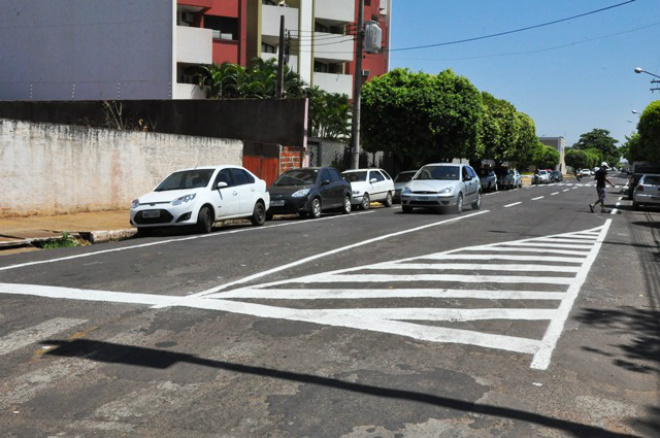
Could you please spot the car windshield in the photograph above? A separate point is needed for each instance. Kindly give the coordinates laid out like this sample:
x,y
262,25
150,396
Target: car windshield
x,y
404,177
355,176
483,172
297,177
543,172
186,179
502,172
439,172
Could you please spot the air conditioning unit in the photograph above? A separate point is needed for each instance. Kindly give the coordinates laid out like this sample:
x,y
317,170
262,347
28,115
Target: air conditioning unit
x,y
188,17
216,34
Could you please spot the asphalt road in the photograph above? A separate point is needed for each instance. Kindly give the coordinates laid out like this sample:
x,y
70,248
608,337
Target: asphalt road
x,y
530,317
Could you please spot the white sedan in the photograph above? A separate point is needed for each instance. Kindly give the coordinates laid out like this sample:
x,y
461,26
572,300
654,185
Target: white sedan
x,y
201,196
370,185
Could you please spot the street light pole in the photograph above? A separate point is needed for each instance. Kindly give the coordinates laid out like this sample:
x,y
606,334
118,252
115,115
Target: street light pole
x,y
357,89
653,81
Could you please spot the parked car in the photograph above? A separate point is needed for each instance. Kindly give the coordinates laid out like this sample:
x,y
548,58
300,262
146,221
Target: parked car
x,y
309,191
647,191
370,185
508,178
542,177
637,175
556,176
400,182
584,172
442,185
487,178
201,196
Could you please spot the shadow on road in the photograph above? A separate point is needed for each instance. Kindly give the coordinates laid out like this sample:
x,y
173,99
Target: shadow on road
x,y
158,359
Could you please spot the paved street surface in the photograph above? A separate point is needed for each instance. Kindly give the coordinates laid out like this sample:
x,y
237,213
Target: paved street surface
x,y
532,317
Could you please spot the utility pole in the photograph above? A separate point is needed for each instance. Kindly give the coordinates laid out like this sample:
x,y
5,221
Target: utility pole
x,y
280,61
357,89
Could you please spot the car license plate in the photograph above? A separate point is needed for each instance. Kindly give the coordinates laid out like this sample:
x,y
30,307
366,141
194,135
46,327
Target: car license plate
x,y
150,214
420,198
277,203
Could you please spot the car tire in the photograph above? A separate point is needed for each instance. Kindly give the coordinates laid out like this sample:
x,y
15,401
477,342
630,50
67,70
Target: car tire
x,y
258,217
316,208
364,205
476,205
346,206
406,209
204,221
635,205
388,200
459,204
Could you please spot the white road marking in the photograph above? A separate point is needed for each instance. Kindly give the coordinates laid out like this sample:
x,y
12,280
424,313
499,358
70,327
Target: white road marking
x,y
22,338
476,267
537,198
554,193
511,205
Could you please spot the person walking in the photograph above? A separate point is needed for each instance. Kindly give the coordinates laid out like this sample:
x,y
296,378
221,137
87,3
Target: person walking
x,y
601,178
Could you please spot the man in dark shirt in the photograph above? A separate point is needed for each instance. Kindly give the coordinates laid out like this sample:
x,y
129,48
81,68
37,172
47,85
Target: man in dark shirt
x,y
601,178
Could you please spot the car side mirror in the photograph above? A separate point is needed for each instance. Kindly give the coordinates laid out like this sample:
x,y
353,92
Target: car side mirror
x,y
373,180
467,178
222,185
325,182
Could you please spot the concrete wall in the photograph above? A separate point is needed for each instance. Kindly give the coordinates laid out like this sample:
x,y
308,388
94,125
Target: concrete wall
x,y
80,49
54,169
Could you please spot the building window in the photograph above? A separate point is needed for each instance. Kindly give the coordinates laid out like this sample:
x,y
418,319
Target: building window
x,y
225,28
268,48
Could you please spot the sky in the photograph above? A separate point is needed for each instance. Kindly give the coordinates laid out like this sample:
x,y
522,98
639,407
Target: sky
x,y
570,76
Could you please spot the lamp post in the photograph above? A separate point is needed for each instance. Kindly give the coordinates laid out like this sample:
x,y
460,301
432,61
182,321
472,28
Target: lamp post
x,y
357,89
653,81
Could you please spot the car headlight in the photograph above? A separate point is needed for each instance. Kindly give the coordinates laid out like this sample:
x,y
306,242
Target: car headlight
x,y
135,203
301,193
405,191
183,199
445,191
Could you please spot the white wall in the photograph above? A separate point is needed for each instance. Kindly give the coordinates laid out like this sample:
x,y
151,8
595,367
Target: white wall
x,y
54,169
86,49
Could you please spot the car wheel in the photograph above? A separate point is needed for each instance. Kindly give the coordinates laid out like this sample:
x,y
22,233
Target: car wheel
x,y
406,209
476,205
258,217
388,200
459,203
346,206
635,205
365,202
204,221
316,208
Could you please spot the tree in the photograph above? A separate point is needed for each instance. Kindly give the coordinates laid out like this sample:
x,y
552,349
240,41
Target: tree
x,y
576,158
649,133
499,132
421,118
526,141
546,157
600,140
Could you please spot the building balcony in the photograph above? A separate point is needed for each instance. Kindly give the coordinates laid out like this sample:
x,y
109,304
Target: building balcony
x,y
335,12
270,21
187,91
330,47
334,83
292,64
194,45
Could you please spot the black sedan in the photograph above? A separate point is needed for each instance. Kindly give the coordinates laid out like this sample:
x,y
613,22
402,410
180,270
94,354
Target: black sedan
x,y
309,192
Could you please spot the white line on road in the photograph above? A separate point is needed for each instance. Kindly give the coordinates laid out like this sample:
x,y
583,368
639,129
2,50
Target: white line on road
x,y
554,193
511,205
22,338
537,198
475,267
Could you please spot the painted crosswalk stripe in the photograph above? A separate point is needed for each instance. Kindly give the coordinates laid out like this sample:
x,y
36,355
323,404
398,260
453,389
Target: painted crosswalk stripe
x,y
22,338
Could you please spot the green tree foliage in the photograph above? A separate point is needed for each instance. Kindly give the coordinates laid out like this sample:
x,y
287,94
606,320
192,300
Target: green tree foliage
x,y
526,142
500,129
330,114
600,141
546,157
576,159
649,133
632,150
421,118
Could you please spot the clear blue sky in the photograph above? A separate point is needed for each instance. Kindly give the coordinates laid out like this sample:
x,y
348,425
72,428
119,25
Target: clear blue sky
x,y
570,77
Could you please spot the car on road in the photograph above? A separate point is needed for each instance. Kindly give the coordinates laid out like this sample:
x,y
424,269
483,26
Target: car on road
x,y
309,191
488,179
508,178
639,171
647,191
370,185
400,182
442,185
201,196
585,172
542,177
556,176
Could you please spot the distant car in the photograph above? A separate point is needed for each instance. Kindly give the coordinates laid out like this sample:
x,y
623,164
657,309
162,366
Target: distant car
x,y
487,178
585,172
442,185
647,191
400,182
370,185
201,196
542,177
508,178
556,176
309,191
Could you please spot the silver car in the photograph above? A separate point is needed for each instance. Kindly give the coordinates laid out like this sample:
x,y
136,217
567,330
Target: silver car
x,y
442,185
647,191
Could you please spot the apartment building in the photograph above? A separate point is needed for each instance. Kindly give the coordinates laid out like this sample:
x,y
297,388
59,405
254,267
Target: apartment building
x,y
150,49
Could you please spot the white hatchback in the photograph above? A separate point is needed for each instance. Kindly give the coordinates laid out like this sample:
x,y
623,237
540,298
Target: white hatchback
x,y
201,196
370,185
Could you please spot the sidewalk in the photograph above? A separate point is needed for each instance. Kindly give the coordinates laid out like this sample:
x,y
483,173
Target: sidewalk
x,y
94,227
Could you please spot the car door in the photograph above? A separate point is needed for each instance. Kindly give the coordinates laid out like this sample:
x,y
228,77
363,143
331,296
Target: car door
x,y
338,184
472,183
326,190
226,198
379,186
245,191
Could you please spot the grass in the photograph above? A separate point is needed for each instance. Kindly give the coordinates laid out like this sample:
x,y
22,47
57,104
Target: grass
x,y
66,241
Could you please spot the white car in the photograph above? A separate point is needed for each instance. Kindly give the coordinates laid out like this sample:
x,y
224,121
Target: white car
x,y
201,196
370,185
442,185
647,191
